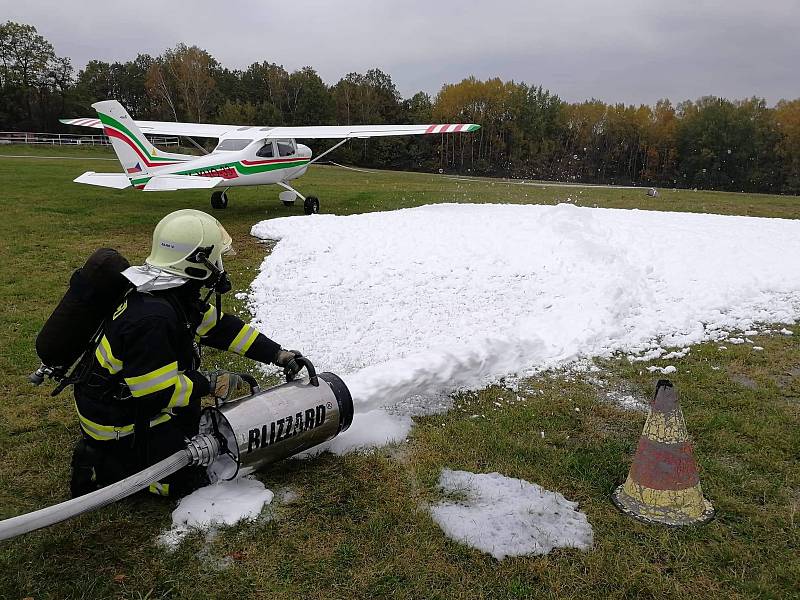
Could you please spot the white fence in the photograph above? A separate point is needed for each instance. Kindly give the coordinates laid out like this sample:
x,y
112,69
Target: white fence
x,y
68,139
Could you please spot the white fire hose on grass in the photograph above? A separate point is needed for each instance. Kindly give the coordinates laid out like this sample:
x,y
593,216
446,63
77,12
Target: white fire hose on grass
x,y
200,451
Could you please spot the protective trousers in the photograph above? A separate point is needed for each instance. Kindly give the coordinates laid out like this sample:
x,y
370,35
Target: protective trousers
x,y
100,463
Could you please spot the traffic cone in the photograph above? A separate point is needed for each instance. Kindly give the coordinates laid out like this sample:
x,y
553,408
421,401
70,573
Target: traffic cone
x,y
663,485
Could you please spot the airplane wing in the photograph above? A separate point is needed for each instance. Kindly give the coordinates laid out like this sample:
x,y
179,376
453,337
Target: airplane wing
x,y
208,130
366,131
204,130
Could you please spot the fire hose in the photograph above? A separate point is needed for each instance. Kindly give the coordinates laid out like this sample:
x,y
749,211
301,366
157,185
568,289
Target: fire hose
x,y
201,450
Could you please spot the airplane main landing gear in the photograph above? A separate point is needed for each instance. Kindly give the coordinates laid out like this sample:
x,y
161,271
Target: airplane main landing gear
x,y
311,205
219,200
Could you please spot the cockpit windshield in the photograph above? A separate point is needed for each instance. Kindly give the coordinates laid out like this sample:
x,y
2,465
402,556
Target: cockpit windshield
x,y
232,144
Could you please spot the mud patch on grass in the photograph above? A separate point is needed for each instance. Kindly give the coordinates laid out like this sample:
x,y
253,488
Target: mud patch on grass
x,y
788,378
743,380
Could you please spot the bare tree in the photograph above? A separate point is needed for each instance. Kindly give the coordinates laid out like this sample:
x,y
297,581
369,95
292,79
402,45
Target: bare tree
x,y
160,89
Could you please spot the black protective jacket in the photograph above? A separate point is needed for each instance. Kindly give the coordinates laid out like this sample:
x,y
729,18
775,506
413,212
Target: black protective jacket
x,y
145,368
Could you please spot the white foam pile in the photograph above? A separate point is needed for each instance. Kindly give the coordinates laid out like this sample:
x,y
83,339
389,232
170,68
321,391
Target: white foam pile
x,y
224,503
421,301
503,516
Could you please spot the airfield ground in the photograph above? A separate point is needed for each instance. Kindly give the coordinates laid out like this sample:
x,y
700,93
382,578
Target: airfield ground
x,y
357,529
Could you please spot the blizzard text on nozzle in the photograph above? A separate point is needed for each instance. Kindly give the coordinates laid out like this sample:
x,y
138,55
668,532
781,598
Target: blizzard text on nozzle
x,y
281,429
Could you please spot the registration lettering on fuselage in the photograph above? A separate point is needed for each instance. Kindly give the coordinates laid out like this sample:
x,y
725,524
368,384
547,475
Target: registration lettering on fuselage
x,y
225,173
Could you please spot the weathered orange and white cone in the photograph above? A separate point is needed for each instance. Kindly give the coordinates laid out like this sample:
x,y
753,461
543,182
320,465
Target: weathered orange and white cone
x,y
663,485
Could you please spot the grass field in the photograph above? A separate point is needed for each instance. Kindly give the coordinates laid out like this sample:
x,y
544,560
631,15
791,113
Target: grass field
x,y
359,528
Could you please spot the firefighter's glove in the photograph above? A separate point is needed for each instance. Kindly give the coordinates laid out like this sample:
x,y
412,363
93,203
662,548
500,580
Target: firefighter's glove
x,y
226,386
287,360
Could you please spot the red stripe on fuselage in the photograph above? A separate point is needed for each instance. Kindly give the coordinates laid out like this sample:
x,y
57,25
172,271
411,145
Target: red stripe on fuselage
x,y
274,160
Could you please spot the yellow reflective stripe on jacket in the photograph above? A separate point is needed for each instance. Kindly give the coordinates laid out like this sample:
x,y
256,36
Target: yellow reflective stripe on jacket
x,y
182,393
208,322
106,358
154,381
114,432
161,489
163,417
104,432
243,340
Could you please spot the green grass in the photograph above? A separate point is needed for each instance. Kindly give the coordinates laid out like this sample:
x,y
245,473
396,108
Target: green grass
x,y
359,528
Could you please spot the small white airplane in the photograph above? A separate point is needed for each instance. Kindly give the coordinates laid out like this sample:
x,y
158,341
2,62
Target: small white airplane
x,y
245,155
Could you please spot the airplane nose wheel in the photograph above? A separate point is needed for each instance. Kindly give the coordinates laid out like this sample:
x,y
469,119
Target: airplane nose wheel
x,y
219,200
311,205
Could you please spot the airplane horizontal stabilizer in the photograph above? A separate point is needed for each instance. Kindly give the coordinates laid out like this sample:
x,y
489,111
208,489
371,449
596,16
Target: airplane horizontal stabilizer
x,y
118,181
168,183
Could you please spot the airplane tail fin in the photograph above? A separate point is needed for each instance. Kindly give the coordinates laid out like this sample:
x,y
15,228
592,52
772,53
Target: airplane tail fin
x,y
139,158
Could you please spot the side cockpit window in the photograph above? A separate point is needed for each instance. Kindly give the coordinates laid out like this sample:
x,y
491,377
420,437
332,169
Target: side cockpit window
x,y
266,151
285,148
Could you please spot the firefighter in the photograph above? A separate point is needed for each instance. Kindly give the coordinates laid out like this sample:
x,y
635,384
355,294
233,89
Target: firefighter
x,y
139,399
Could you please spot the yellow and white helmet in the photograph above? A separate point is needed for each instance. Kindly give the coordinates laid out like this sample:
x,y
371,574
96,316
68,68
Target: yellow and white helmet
x,y
183,238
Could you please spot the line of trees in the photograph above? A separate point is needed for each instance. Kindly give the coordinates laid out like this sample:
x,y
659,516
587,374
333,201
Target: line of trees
x,y
527,131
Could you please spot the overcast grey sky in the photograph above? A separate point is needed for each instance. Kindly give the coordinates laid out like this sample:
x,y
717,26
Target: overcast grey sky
x,y
620,51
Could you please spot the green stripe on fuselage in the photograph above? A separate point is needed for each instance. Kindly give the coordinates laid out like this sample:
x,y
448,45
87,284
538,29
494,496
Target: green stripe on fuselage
x,y
245,169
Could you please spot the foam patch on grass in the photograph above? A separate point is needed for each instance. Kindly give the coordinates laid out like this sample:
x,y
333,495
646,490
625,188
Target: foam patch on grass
x,y
224,503
503,516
